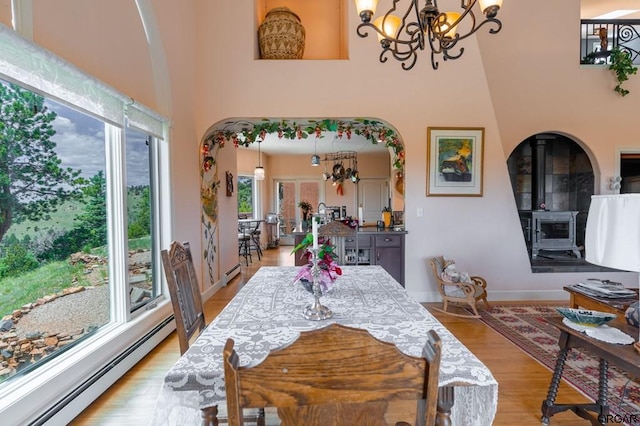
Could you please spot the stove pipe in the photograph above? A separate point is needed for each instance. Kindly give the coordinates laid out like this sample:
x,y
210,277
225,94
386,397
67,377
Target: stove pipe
x,y
538,171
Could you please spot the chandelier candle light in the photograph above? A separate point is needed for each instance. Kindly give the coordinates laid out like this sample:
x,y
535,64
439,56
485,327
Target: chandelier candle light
x,y
440,31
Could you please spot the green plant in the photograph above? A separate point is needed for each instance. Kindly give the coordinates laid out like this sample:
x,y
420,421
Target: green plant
x,y
305,205
622,66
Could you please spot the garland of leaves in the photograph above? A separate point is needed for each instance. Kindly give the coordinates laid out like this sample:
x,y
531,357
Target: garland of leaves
x,y
243,133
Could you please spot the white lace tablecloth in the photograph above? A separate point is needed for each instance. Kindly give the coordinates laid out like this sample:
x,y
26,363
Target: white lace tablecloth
x,y
267,314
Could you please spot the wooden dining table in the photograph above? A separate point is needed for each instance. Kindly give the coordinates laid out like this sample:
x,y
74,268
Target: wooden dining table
x,y
267,314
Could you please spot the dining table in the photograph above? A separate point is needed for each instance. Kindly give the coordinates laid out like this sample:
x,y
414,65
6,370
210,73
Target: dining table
x,y
267,313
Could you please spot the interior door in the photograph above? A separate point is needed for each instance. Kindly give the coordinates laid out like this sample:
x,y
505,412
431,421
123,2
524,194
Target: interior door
x,y
373,195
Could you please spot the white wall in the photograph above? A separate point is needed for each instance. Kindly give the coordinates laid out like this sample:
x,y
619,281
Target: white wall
x,y
520,82
483,234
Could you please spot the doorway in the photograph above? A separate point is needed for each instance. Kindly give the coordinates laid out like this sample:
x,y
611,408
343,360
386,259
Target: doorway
x,y
289,192
630,173
373,196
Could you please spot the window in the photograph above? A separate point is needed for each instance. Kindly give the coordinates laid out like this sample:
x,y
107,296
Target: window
x,y
54,237
246,197
87,195
142,286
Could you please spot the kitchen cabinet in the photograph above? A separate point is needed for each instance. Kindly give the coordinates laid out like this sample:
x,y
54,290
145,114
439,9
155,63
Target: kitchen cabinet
x,y
368,247
384,248
389,253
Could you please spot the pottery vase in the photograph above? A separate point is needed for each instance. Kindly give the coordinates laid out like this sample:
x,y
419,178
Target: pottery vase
x,y
281,35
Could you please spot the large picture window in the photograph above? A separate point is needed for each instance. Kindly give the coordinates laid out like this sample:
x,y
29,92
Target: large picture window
x,y
54,281
84,210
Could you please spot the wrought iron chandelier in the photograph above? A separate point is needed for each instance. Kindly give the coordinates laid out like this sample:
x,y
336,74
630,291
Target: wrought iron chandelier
x,y
440,31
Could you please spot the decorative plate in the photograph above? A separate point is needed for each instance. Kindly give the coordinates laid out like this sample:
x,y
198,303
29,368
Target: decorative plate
x,y
586,317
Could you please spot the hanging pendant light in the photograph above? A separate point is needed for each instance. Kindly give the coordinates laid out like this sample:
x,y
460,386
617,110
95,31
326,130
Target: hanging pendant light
x,y
258,173
315,158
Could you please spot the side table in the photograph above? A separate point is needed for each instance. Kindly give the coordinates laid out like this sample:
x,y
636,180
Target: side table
x,y
623,356
618,306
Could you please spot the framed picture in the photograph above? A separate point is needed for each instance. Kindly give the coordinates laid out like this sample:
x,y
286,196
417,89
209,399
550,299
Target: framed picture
x,y
455,161
229,179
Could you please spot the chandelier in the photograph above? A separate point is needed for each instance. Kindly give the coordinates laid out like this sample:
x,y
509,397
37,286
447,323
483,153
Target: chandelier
x,y
401,38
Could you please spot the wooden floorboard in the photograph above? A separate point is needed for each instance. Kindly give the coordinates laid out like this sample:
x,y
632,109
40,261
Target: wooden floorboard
x,y
523,382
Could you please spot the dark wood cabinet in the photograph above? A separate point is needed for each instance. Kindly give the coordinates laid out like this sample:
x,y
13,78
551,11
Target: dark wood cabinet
x,y
389,253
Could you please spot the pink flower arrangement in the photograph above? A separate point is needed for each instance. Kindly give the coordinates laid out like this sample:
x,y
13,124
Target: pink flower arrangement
x,y
329,269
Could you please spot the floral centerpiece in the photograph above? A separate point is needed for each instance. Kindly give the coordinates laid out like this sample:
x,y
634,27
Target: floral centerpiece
x,y
329,269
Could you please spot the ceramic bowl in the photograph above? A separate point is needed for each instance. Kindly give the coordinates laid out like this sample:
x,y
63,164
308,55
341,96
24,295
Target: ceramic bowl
x,y
586,317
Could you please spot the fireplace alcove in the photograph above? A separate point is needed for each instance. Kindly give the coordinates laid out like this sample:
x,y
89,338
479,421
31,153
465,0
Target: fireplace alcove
x,y
553,181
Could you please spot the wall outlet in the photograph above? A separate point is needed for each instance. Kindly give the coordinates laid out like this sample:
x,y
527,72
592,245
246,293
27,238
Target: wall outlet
x,y
420,212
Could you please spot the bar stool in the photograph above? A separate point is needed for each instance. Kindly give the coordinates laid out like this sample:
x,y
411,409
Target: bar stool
x,y
255,238
244,243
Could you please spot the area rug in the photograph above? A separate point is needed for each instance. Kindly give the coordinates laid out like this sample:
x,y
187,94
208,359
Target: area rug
x,y
525,326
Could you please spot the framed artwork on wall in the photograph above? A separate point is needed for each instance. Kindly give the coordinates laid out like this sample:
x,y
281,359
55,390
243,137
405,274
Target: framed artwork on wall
x,y
455,161
229,179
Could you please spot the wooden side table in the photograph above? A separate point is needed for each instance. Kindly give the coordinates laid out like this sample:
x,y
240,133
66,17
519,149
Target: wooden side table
x,y
623,356
618,306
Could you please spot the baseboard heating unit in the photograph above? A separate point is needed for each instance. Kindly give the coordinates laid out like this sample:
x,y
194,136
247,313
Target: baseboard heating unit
x,y
231,273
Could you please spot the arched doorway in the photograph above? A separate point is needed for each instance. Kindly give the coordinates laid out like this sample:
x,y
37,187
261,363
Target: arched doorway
x,y
252,132
553,180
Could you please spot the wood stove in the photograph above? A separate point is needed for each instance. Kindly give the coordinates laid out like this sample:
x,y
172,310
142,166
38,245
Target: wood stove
x,y
549,230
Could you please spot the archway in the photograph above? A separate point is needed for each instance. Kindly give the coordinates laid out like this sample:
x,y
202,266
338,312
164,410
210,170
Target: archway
x,y
553,180
245,132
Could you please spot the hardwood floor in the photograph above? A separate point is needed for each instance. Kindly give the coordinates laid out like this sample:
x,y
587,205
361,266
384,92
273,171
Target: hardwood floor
x,y
523,382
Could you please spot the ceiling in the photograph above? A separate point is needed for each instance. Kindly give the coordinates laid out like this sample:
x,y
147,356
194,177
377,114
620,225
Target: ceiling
x,y
589,9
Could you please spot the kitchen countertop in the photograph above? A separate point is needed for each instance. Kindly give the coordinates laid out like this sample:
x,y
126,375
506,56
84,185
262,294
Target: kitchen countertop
x,y
363,230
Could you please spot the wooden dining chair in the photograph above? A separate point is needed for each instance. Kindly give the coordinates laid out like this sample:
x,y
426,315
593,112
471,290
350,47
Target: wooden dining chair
x,y
185,292
336,375
187,304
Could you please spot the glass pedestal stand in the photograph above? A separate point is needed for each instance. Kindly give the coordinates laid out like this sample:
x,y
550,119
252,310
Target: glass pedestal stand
x,y
316,311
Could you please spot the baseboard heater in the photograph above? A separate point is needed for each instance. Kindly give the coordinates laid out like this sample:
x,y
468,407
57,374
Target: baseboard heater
x,y
51,412
231,273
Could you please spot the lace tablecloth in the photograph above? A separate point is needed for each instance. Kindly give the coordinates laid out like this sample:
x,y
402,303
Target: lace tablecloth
x,y
267,314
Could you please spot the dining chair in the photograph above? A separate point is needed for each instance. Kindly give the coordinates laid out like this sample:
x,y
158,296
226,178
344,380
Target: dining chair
x,y
187,304
185,292
336,375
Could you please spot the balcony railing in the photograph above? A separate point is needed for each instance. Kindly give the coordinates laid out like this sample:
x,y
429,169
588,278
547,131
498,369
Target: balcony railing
x,y
599,36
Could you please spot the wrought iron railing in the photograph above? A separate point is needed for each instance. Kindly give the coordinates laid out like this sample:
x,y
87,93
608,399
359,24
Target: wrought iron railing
x,y
599,36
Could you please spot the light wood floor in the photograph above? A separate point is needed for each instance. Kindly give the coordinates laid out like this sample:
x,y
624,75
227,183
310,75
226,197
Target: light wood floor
x,y
523,382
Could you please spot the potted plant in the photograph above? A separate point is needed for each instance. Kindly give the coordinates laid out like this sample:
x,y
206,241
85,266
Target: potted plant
x,y
622,66
306,209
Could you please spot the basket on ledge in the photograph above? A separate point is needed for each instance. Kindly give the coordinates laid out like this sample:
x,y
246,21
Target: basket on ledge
x,y
281,35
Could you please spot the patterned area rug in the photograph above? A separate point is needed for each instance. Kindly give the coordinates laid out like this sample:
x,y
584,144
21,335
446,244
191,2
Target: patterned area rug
x,y
526,328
